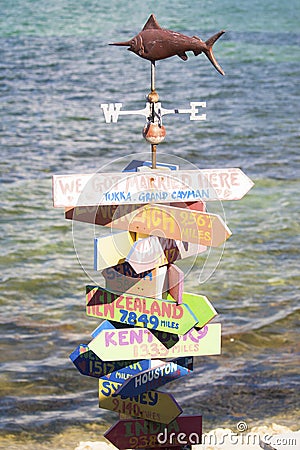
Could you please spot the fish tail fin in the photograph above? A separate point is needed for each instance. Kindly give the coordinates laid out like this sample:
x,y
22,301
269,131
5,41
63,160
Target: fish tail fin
x,y
209,52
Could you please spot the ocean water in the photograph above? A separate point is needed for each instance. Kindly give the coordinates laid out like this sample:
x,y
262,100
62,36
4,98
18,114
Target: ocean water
x,y
55,70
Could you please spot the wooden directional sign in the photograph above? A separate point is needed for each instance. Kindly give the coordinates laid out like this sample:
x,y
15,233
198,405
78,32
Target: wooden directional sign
x,y
160,220
123,374
140,311
155,314
154,251
105,214
122,278
200,306
113,249
151,405
144,187
175,282
140,343
139,433
154,378
177,223
89,364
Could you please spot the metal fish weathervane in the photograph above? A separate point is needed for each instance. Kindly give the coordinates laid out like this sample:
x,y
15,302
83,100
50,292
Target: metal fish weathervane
x,y
155,43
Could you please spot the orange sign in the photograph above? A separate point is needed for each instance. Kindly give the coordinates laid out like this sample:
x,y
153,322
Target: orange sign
x,y
159,220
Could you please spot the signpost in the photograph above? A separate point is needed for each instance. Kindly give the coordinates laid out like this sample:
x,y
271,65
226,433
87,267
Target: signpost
x,y
160,212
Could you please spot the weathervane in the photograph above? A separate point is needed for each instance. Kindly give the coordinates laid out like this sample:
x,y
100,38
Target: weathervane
x,y
155,43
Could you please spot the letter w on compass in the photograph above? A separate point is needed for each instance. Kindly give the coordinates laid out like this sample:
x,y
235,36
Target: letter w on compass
x,y
112,111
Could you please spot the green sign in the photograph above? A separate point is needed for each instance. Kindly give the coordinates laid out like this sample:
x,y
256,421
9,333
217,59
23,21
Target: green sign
x,y
200,307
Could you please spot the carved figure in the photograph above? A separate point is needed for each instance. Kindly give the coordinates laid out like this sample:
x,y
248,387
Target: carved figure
x,y
155,43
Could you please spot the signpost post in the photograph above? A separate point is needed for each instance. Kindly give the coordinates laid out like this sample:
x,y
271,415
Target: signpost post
x,y
156,214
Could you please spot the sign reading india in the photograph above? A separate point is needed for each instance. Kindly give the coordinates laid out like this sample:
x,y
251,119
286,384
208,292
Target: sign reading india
x,y
145,187
151,405
141,343
139,433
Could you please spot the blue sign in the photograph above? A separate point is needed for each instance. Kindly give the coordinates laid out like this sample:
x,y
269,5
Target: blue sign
x,y
133,165
132,368
156,377
88,363
106,325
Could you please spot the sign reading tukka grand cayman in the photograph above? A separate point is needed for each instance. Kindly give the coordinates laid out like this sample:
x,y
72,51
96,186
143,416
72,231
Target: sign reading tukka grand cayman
x,y
148,187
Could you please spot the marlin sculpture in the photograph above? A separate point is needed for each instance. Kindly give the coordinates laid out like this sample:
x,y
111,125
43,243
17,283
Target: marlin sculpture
x,y
155,43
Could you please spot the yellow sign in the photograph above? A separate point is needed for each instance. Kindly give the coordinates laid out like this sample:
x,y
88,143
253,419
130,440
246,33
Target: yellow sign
x,y
152,405
141,343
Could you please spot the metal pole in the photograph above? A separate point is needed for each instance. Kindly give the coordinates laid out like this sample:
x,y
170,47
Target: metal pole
x,y
153,146
153,154
152,76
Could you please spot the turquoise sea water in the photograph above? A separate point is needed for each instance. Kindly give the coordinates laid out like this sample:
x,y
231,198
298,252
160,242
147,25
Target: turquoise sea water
x,y
55,70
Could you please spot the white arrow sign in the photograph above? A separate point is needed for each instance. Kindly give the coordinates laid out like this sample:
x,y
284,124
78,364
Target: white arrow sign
x,y
112,111
149,187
